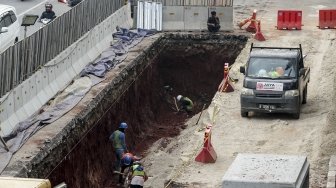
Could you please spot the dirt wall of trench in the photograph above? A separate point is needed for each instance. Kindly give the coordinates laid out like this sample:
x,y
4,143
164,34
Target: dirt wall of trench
x,y
191,64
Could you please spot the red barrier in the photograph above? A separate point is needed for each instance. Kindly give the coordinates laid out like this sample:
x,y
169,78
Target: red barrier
x,y
207,154
327,19
289,19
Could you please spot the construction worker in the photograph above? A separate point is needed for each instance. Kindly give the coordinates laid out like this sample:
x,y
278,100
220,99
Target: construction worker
x,y
138,175
185,104
127,160
213,22
119,143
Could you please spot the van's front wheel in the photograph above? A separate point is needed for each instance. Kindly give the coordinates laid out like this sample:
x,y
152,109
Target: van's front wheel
x,y
243,113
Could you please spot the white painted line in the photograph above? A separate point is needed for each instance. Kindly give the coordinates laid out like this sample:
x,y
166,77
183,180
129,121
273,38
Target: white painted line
x,y
43,2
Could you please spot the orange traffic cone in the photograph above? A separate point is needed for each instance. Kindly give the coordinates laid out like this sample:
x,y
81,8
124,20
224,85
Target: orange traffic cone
x,y
242,23
225,85
259,36
253,25
208,153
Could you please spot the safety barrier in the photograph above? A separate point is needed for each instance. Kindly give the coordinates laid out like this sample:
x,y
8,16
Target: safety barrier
x,y
327,19
194,18
289,19
208,153
27,98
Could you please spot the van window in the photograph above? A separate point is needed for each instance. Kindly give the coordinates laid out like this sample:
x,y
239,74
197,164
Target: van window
x,y
6,21
13,16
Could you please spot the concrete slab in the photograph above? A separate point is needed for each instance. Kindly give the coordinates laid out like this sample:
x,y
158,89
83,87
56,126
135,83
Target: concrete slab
x,y
267,171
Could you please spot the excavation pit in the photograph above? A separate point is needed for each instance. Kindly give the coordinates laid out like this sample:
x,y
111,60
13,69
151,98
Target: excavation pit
x,y
190,64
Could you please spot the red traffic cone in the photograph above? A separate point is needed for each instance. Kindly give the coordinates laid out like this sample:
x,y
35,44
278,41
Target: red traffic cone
x,y
225,85
253,25
259,36
207,154
242,23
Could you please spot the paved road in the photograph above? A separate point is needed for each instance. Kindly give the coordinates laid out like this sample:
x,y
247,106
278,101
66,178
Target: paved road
x,y
34,7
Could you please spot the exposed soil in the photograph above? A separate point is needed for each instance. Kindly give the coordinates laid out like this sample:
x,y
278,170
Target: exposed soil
x,y
192,68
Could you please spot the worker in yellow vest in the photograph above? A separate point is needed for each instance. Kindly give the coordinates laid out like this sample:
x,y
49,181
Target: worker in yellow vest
x,y
186,104
138,175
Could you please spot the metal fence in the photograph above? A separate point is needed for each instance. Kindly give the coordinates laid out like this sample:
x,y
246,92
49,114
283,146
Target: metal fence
x,y
222,3
23,59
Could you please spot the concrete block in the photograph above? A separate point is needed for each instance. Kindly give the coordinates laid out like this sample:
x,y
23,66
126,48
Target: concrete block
x,y
332,163
330,184
172,18
267,171
195,18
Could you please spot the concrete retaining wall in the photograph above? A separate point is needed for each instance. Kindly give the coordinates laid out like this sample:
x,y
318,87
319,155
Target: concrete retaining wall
x,y
28,97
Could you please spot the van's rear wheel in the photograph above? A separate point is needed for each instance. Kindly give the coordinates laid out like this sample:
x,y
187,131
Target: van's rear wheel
x,y
296,115
243,113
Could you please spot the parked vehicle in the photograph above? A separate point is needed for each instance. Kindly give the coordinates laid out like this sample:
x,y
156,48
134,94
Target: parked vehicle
x,y
275,81
9,23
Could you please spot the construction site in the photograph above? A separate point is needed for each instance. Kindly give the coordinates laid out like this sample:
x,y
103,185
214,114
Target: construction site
x,y
141,90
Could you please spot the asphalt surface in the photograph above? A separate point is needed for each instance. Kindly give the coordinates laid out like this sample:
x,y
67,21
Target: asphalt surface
x,y
35,7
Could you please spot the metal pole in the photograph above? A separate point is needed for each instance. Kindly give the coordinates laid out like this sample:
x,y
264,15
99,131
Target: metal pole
x,y
25,32
200,114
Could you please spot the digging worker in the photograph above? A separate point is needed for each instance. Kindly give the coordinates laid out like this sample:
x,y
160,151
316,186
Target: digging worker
x,y
119,143
127,160
138,175
186,104
213,22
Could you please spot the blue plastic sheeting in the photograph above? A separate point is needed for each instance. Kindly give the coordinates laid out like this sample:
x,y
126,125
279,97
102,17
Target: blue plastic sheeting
x,y
116,53
74,93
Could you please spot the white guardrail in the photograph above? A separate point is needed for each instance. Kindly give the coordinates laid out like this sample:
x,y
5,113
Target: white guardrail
x,y
27,98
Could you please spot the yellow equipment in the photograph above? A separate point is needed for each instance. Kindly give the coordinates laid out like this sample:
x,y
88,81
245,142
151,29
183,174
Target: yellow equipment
x,y
13,182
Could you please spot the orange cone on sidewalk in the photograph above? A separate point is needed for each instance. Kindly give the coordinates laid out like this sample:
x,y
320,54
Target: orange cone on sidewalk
x,y
225,85
259,36
207,154
253,25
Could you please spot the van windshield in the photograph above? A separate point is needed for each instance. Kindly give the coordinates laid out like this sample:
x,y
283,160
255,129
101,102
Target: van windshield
x,y
270,67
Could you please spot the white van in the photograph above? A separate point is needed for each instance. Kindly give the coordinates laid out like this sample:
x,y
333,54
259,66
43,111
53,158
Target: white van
x,y
9,27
